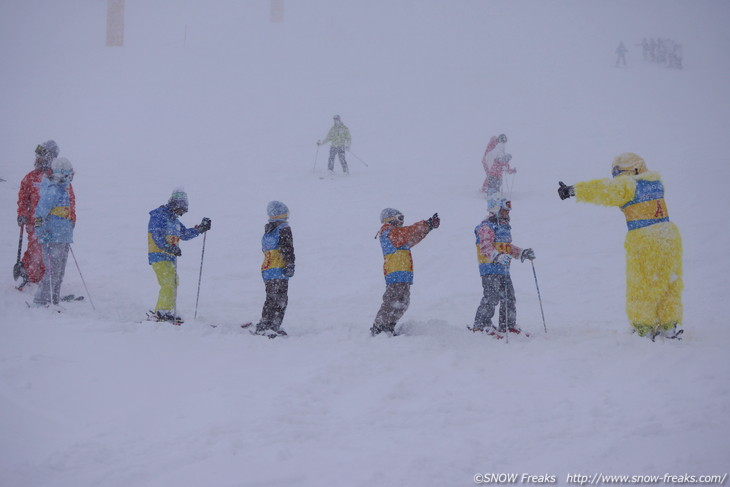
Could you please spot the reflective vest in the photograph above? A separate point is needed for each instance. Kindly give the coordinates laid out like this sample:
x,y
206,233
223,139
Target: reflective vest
x,y
647,207
398,261
273,265
502,244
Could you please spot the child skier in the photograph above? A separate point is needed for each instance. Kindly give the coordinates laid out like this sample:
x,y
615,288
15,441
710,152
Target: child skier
x,y
653,243
164,233
277,244
339,136
396,242
495,252
54,228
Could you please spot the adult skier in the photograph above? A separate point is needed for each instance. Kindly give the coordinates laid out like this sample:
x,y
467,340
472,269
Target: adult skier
x,y
496,172
653,243
28,196
396,242
164,233
621,54
339,137
277,244
495,252
495,151
54,229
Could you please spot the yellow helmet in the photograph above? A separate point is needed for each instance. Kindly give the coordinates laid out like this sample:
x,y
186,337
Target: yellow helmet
x,y
628,162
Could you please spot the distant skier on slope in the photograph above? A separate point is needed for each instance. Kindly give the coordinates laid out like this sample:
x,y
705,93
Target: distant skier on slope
x,y
495,252
164,233
396,242
339,136
653,243
54,229
621,55
495,162
28,197
277,244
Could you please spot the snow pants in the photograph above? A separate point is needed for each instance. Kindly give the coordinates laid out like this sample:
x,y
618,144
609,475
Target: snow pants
x,y
396,299
277,299
654,277
55,256
33,257
166,273
497,289
339,151
492,185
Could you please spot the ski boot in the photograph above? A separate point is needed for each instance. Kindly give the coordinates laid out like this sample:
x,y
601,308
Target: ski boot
x,y
388,328
165,316
672,333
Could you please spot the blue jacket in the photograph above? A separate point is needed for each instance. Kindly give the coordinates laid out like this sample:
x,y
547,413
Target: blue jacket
x,y
164,231
277,244
54,207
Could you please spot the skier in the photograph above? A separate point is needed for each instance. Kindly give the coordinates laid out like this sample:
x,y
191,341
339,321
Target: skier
x,y
396,242
54,229
164,234
339,136
621,54
277,244
495,252
32,262
495,149
496,173
653,243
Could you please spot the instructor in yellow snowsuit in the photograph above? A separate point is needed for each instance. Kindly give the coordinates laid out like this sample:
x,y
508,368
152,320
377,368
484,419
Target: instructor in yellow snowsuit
x,y
653,244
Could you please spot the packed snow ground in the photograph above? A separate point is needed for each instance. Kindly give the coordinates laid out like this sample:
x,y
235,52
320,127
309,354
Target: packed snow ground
x,y
214,97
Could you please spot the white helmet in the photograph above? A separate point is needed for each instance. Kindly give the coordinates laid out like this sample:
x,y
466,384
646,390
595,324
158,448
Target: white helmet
x,y
498,202
62,170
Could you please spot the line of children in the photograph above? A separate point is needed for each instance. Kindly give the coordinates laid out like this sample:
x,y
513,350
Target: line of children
x,y
653,248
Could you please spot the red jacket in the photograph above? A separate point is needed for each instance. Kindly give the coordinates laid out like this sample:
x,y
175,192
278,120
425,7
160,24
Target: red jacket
x,y
29,195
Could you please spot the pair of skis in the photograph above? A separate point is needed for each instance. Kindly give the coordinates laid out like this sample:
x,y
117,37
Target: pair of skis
x,y
497,334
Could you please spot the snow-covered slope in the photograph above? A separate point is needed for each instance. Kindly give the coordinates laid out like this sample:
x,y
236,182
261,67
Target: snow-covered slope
x,y
215,97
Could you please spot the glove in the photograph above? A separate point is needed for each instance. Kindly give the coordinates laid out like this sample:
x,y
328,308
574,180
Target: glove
x,y
502,138
433,222
565,191
289,271
503,259
22,220
528,254
512,171
174,250
204,225
319,142
38,222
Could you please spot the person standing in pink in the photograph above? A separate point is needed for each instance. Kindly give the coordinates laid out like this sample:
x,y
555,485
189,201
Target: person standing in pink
x,y
495,162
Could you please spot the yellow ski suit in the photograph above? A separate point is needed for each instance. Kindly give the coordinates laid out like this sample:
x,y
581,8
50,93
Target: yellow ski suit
x,y
653,247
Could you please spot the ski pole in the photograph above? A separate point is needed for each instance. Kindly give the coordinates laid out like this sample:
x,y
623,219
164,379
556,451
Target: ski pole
x,y
315,159
18,270
366,165
174,304
200,276
82,278
539,298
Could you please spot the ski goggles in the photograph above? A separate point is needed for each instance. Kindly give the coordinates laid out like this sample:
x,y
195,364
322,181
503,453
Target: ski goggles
x,y
41,151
